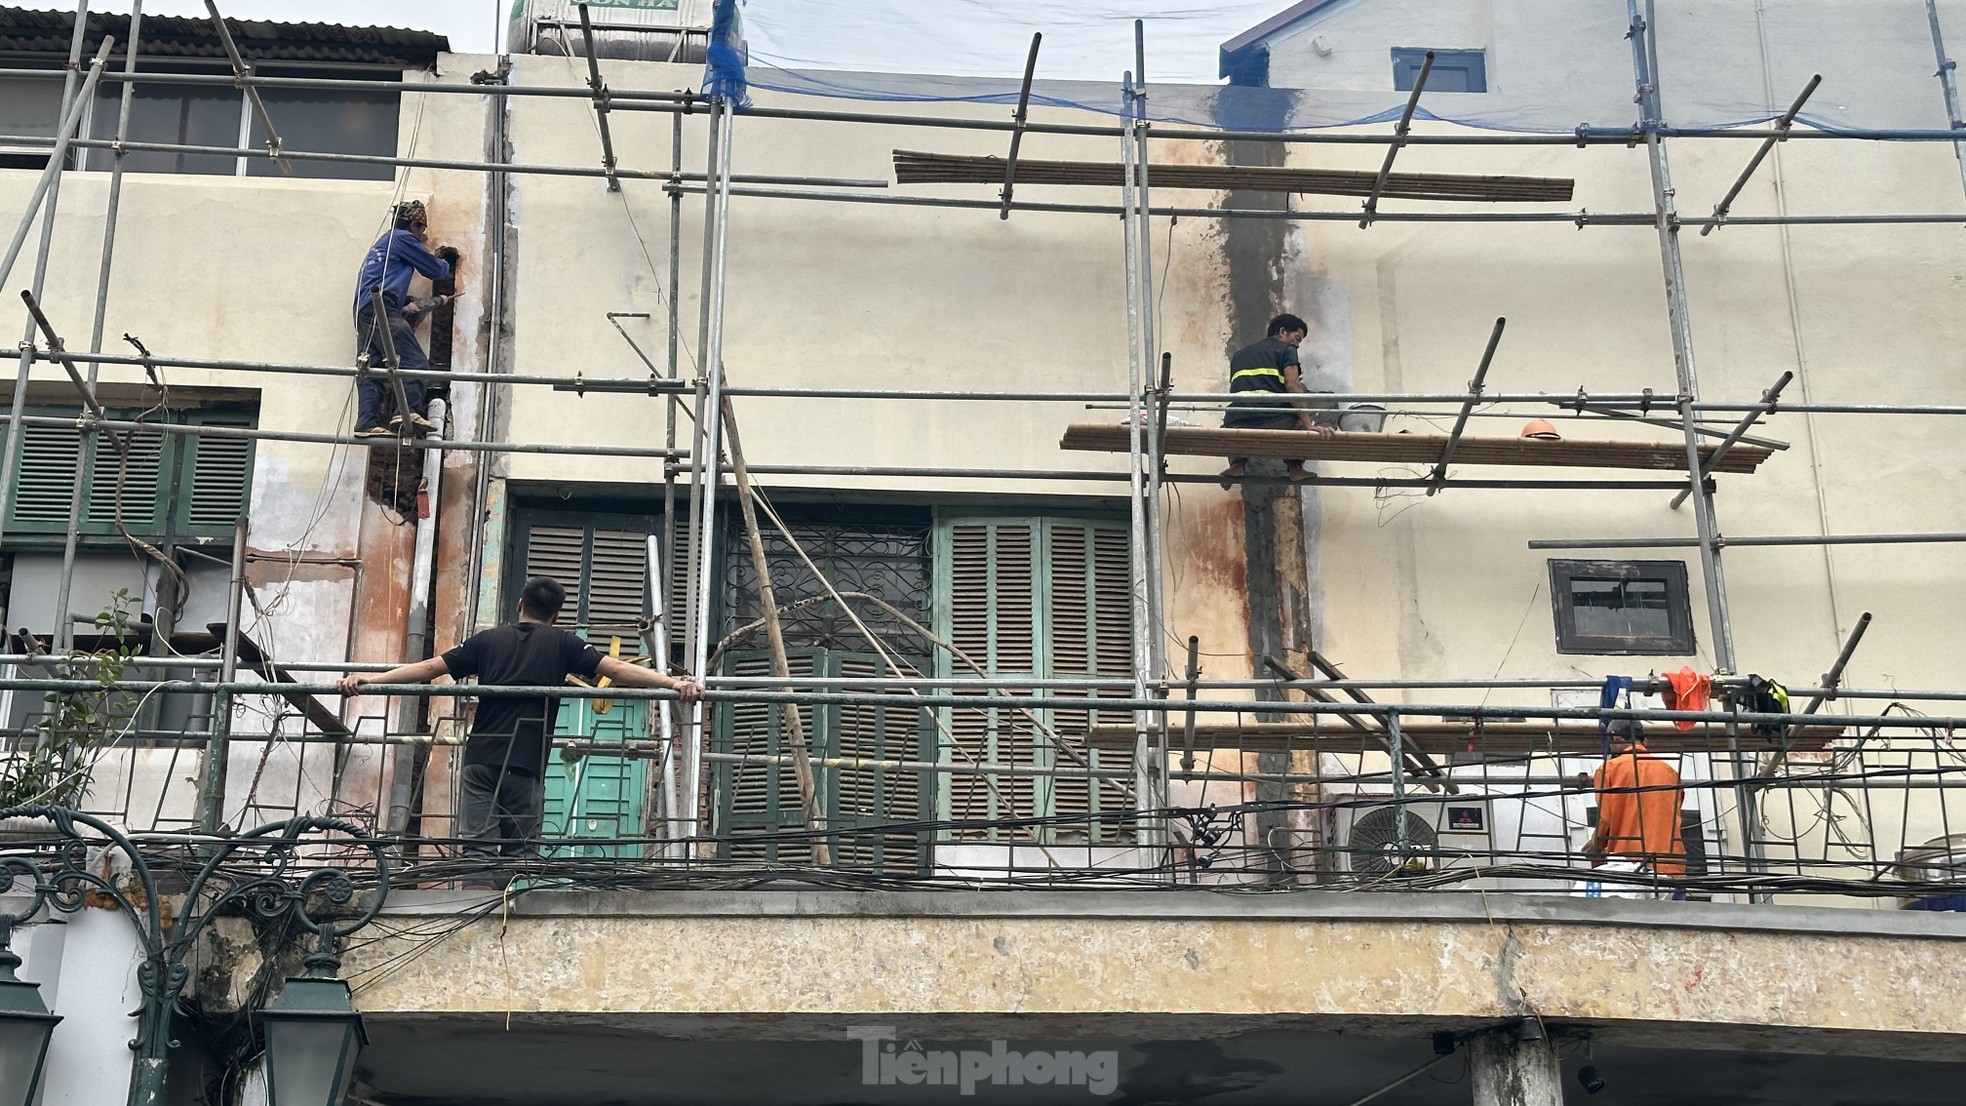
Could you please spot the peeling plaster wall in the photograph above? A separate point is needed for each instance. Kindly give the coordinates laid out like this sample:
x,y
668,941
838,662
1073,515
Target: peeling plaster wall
x,y
279,292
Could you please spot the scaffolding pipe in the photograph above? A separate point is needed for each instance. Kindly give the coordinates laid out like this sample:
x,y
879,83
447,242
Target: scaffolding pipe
x,y
1439,478
675,830
663,551
1392,148
416,636
1626,136
1097,475
240,71
1764,540
498,207
681,101
703,490
334,84
635,384
971,683
494,168
64,629
1782,126
210,431
1491,712
600,90
1577,218
1817,698
1667,222
1018,117
211,799
1948,75
1767,405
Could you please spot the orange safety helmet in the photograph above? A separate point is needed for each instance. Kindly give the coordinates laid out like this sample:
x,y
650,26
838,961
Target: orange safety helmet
x,y
1541,430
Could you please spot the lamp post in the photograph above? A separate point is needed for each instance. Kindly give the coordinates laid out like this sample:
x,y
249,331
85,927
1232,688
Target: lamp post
x,y
312,1030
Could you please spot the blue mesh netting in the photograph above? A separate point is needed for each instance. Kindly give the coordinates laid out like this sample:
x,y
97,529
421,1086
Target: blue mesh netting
x,y
1551,65
725,61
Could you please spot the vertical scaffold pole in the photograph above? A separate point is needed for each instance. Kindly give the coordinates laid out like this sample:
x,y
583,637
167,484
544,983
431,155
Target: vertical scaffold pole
x,y
663,548
64,632
1156,664
1948,75
703,485
1143,774
211,804
1647,79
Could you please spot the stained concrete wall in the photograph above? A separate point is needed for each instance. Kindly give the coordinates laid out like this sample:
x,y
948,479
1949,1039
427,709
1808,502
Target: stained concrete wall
x,y
961,966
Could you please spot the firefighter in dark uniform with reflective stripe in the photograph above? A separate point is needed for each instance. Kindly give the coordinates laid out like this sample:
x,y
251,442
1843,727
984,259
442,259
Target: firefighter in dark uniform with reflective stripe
x,y
1266,371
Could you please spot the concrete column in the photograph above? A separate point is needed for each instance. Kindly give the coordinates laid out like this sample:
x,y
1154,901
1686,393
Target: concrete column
x,y
1509,1070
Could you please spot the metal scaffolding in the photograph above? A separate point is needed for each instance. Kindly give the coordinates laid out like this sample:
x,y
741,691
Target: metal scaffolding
x,y
1166,838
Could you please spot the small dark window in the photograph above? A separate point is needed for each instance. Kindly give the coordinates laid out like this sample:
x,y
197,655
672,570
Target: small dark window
x,y
1454,70
1622,607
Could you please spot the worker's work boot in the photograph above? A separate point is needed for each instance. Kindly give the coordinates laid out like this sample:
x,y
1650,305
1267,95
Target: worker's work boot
x,y
419,425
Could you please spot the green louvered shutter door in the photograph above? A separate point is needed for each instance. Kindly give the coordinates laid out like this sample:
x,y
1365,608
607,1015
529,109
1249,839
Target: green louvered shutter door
x,y
989,591
1089,620
879,801
756,802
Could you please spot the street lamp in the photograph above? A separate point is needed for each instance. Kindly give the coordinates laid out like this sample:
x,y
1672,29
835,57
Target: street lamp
x,y
25,1025
312,1031
312,1036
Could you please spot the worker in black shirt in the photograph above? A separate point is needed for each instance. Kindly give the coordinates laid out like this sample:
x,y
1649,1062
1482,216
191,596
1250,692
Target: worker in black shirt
x,y
1270,368
502,783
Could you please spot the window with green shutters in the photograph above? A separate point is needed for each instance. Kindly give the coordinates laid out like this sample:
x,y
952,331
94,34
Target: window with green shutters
x,y
874,812
165,485
1043,598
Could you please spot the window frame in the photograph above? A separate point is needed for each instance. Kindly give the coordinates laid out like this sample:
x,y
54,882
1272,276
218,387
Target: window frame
x,y
1407,61
1679,639
101,112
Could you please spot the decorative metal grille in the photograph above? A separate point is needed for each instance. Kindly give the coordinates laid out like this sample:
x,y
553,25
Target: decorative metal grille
x,y
889,562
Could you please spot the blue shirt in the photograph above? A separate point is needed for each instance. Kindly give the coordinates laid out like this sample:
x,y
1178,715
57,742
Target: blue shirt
x,y
389,263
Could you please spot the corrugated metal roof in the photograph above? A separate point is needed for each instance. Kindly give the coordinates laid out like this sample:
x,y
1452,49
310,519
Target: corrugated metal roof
x,y
48,33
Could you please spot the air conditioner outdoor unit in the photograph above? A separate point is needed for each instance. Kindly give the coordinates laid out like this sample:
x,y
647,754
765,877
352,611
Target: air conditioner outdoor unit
x,y
1443,832
1439,832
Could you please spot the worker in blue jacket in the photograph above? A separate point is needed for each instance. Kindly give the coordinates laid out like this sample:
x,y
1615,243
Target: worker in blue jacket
x,y
395,257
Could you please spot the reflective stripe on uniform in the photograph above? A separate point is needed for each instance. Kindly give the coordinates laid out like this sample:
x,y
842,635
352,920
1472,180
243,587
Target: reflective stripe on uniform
x,y
1240,373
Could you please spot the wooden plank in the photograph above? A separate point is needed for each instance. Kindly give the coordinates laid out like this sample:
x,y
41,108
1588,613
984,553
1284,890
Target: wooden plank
x,y
1447,738
251,655
1418,449
915,167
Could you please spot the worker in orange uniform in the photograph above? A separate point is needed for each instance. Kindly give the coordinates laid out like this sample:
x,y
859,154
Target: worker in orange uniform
x,y
1638,803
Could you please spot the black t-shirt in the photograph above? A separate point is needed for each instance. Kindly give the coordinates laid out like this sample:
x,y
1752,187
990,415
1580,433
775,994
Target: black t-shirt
x,y
1259,368
511,731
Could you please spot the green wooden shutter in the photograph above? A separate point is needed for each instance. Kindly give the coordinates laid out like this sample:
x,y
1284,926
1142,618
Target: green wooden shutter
x,y
44,488
136,481
871,812
217,482
594,801
756,801
604,571
878,801
1090,624
989,589
1040,597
